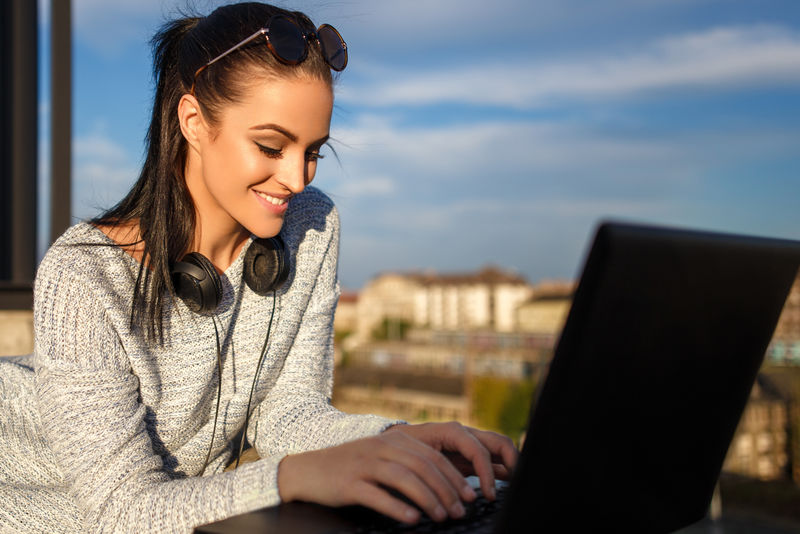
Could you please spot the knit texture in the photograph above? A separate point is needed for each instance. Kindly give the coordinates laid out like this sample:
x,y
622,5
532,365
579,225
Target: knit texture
x,y
104,432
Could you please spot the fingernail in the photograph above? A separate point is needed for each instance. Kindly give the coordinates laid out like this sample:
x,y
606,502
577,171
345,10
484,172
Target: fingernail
x,y
439,514
411,515
457,510
469,493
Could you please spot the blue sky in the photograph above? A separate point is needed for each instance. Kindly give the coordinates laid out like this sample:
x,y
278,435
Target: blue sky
x,y
474,133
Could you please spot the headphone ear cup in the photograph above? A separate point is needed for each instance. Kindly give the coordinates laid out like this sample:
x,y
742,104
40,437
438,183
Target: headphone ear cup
x,y
266,265
197,283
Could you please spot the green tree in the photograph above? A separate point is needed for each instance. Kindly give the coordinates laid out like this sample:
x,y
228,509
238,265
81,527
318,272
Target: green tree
x,y
391,329
502,404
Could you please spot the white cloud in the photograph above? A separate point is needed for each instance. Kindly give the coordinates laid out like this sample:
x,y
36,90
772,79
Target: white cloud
x,y
722,57
496,159
111,26
493,150
520,191
483,216
102,173
529,193
98,146
419,29
374,186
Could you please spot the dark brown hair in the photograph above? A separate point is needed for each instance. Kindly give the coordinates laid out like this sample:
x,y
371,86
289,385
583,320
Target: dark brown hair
x,y
159,202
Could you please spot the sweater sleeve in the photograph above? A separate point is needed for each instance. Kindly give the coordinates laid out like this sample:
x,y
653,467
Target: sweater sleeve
x,y
297,414
94,421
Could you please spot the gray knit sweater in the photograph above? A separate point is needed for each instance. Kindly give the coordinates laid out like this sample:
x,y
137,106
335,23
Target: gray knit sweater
x,y
104,432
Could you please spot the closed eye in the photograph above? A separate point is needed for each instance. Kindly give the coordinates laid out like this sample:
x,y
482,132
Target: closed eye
x,y
270,152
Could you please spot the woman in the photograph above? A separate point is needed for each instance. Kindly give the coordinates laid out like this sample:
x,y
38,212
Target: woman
x,y
149,381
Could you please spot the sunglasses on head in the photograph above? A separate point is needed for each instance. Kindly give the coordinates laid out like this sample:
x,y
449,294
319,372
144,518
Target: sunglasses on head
x,y
289,44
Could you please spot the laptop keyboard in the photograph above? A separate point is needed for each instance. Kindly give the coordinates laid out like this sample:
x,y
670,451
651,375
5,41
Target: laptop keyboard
x,y
479,518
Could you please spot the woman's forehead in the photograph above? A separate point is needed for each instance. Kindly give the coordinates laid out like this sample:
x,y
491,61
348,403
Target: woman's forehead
x,y
302,105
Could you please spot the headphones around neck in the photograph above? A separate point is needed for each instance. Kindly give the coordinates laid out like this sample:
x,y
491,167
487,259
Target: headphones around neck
x,y
196,282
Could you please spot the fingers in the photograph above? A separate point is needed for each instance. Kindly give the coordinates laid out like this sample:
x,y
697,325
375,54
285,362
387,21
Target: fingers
x,y
411,484
410,460
379,500
472,451
459,439
479,448
444,487
501,472
436,472
500,447
465,467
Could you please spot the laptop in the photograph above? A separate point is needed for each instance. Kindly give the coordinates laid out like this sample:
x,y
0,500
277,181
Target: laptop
x,y
667,331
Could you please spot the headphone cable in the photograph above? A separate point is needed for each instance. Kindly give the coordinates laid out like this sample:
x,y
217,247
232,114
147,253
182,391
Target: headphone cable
x,y
255,379
219,391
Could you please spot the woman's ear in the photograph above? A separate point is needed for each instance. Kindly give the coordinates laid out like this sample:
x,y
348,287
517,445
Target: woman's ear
x,y
193,125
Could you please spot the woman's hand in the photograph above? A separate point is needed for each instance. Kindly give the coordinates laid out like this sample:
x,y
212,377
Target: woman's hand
x,y
472,451
405,458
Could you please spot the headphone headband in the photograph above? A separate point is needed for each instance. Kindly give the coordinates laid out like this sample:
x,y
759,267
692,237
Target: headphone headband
x,y
197,284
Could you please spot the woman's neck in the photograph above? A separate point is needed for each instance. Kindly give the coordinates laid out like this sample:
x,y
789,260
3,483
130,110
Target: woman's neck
x,y
221,247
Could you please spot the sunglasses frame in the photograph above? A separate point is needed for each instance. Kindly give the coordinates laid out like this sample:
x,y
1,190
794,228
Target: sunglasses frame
x,y
265,32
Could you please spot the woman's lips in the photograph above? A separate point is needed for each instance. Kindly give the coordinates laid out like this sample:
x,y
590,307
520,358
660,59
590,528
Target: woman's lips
x,y
277,204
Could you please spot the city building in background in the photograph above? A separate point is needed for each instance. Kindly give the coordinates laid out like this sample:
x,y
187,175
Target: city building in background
x,y
473,347
785,346
441,346
547,308
484,300
761,446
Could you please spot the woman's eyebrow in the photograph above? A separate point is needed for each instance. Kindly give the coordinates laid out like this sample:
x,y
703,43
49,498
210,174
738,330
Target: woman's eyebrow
x,y
292,137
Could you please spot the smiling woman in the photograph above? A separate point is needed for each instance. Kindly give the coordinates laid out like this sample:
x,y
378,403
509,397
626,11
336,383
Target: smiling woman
x,y
242,173
203,299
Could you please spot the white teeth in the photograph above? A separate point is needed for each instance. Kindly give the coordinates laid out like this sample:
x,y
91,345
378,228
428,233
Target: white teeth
x,y
272,200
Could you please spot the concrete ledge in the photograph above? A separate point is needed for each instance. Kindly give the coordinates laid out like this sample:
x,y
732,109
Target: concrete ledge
x,y
16,332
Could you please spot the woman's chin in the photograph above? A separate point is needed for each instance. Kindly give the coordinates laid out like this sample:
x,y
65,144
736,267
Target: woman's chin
x,y
265,231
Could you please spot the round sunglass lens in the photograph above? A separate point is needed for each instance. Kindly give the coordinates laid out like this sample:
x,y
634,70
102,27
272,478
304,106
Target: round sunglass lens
x,y
287,40
333,47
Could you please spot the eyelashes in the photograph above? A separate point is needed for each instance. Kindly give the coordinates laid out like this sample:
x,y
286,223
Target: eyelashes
x,y
276,153
273,153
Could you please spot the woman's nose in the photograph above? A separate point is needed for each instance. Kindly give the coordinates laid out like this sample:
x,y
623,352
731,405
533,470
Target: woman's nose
x,y
294,175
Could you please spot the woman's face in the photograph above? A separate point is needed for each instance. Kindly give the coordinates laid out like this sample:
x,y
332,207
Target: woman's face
x,y
244,171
